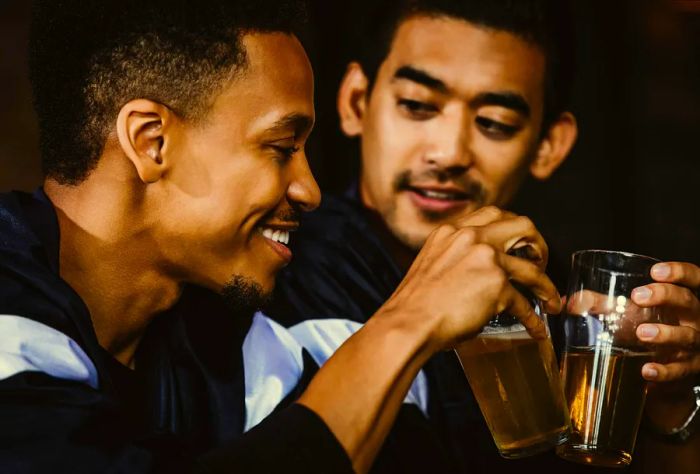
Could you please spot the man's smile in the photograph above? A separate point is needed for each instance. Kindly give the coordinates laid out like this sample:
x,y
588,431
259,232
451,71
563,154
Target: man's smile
x,y
281,236
277,237
438,199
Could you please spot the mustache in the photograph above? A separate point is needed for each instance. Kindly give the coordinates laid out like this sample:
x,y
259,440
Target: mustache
x,y
406,180
289,214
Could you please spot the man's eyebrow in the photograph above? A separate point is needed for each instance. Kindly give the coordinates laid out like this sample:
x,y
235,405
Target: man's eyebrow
x,y
421,77
299,123
509,100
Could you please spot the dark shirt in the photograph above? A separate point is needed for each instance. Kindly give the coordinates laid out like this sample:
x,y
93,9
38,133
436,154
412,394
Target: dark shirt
x,y
342,270
183,409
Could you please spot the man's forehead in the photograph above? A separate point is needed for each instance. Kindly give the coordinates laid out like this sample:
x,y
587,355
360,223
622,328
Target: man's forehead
x,y
278,56
276,87
456,51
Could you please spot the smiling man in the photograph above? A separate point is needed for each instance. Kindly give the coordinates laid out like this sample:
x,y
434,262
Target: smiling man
x,y
172,136
455,103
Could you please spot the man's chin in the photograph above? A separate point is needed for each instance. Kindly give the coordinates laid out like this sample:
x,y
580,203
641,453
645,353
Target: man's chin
x,y
411,236
413,226
244,295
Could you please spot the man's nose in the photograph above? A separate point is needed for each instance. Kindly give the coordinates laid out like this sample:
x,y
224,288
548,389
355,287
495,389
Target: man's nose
x,y
303,191
450,141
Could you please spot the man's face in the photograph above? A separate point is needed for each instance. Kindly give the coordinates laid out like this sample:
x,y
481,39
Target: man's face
x,y
451,125
241,177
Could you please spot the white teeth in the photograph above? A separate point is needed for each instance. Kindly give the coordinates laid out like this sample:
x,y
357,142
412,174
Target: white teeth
x,y
437,194
281,236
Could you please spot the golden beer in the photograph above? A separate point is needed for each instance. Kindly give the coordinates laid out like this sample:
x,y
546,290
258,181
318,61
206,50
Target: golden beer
x,y
605,392
516,382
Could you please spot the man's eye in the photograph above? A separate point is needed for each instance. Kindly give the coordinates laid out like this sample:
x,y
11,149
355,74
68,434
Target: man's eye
x,y
285,153
496,130
418,110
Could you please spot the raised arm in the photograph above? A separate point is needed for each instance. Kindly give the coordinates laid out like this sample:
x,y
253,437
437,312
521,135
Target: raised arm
x,y
460,279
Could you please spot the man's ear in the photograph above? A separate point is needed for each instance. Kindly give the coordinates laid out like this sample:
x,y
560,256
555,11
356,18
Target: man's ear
x,y
352,99
141,127
555,146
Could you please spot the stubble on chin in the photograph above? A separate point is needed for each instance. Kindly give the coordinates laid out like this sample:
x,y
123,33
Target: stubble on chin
x,y
243,295
412,240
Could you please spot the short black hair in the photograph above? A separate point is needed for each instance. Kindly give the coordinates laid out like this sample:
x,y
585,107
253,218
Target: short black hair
x,y
548,24
90,57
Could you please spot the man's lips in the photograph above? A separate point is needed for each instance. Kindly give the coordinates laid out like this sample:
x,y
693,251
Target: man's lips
x,y
437,199
277,237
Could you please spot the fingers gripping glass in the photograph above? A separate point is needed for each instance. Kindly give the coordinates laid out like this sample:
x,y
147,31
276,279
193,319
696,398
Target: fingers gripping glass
x,y
516,382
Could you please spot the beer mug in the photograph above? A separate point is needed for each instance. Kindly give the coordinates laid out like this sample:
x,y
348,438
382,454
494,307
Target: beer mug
x,y
516,382
603,359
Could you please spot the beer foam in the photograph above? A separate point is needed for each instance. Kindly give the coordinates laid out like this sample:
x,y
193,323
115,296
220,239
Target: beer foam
x,y
516,331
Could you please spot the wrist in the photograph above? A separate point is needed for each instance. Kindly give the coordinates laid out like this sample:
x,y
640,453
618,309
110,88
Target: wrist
x,y
675,419
414,331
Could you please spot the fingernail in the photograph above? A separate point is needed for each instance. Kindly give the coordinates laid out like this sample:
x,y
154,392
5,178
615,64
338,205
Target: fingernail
x,y
642,293
650,372
648,332
661,271
556,303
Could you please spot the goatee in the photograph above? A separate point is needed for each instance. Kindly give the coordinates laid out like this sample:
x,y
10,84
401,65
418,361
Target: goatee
x,y
244,296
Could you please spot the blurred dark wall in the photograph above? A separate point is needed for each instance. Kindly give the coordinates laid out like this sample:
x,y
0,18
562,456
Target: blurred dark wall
x,y
19,150
631,183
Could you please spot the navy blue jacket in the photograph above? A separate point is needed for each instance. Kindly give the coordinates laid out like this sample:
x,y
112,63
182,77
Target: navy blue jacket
x,y
66,405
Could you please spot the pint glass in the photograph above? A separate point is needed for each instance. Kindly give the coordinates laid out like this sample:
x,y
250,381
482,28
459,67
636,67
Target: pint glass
x,y
516,382
603,359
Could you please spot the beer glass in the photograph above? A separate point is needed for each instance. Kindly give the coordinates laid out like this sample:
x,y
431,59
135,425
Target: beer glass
x,y
603,359
516,382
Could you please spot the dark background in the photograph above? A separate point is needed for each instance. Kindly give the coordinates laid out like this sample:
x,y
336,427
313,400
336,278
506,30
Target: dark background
x,y
632,182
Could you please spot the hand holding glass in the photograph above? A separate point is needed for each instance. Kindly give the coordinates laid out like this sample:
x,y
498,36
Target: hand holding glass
x,y
603,358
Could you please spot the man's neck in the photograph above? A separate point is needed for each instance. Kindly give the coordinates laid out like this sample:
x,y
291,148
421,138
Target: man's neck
x,y
109,258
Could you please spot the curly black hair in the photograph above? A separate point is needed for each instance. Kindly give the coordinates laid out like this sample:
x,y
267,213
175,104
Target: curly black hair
x,y
547,24
90,57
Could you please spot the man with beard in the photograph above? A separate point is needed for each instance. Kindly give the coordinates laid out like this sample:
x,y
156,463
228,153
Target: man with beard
x,y
455,103
172,138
